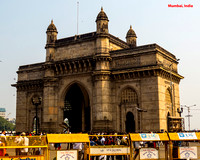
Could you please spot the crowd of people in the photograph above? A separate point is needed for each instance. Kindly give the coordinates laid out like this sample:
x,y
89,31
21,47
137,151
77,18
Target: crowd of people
x,y
96,139
108,139
18,139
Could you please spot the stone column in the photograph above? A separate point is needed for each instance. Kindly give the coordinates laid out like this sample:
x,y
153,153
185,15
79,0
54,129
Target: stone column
x,y
102,110
21,111
50,108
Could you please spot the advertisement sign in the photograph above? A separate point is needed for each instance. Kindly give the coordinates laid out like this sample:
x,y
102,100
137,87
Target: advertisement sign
x,y
187,152
109,151
191,135
68,154
23,158
149,136
148,153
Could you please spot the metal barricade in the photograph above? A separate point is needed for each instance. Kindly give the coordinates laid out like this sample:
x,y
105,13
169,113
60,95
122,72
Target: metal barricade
x,y
184,145
23,147
146,146
68,146
114,147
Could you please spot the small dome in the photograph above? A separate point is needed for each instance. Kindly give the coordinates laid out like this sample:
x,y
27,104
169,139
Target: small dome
x,y
102,15
51,27
131,33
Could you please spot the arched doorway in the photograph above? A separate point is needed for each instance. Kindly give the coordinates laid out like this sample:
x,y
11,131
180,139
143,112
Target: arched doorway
x,y
77,108
130,123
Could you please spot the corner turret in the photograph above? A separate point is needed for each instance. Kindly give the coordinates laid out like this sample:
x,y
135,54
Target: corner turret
x,y
131,37
51,39
102,22
51,34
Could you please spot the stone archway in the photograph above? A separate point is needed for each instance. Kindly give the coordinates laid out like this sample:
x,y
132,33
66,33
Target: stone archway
x,y
130,123
77,109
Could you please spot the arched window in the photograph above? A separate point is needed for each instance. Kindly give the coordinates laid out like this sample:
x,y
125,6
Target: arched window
x,y
129,96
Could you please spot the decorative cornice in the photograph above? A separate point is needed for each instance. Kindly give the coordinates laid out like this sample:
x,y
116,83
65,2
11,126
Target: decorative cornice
x,y
101,75
147,49
79,65
102,58
30,67
50,45
146,72
75,39
29,85
89,37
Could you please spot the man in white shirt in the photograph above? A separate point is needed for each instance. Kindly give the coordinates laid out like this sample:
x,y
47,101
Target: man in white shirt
x,y
3,135
25,142
79,147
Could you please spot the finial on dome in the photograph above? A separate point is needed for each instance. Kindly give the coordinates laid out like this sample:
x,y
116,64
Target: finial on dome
x,y
102,15
52,27
131,32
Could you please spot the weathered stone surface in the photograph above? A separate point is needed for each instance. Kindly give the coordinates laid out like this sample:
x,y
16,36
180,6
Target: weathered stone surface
x,y
103,79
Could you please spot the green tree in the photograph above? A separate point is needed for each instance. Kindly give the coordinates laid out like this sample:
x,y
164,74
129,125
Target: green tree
x,y
4,124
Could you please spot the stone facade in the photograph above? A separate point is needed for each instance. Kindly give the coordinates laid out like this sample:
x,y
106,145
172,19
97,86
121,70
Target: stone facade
x,y
100,83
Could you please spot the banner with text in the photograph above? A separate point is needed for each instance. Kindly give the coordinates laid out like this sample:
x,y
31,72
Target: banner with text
x,y
23,158
188,152
68,154
110,151
148,153
149,136
191,135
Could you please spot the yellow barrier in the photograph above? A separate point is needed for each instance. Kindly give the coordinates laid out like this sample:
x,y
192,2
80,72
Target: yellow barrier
x,y
154,145
184,145
172,145
109,145
24,147
70,139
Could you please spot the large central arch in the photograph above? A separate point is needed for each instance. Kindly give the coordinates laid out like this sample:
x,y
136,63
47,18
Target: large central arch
x,y
77,109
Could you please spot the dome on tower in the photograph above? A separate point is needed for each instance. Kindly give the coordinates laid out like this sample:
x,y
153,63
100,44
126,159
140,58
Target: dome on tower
x,y
131,33
51,27
102,15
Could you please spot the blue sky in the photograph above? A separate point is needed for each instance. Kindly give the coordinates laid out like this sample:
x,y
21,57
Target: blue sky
x,y
23,27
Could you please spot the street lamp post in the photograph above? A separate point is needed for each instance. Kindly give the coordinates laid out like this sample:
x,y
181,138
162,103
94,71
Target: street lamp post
x,y
140,110
36,101
180,111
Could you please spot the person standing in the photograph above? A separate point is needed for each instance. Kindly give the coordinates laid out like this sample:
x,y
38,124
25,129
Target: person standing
x,y
25,142
79,147
3,142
